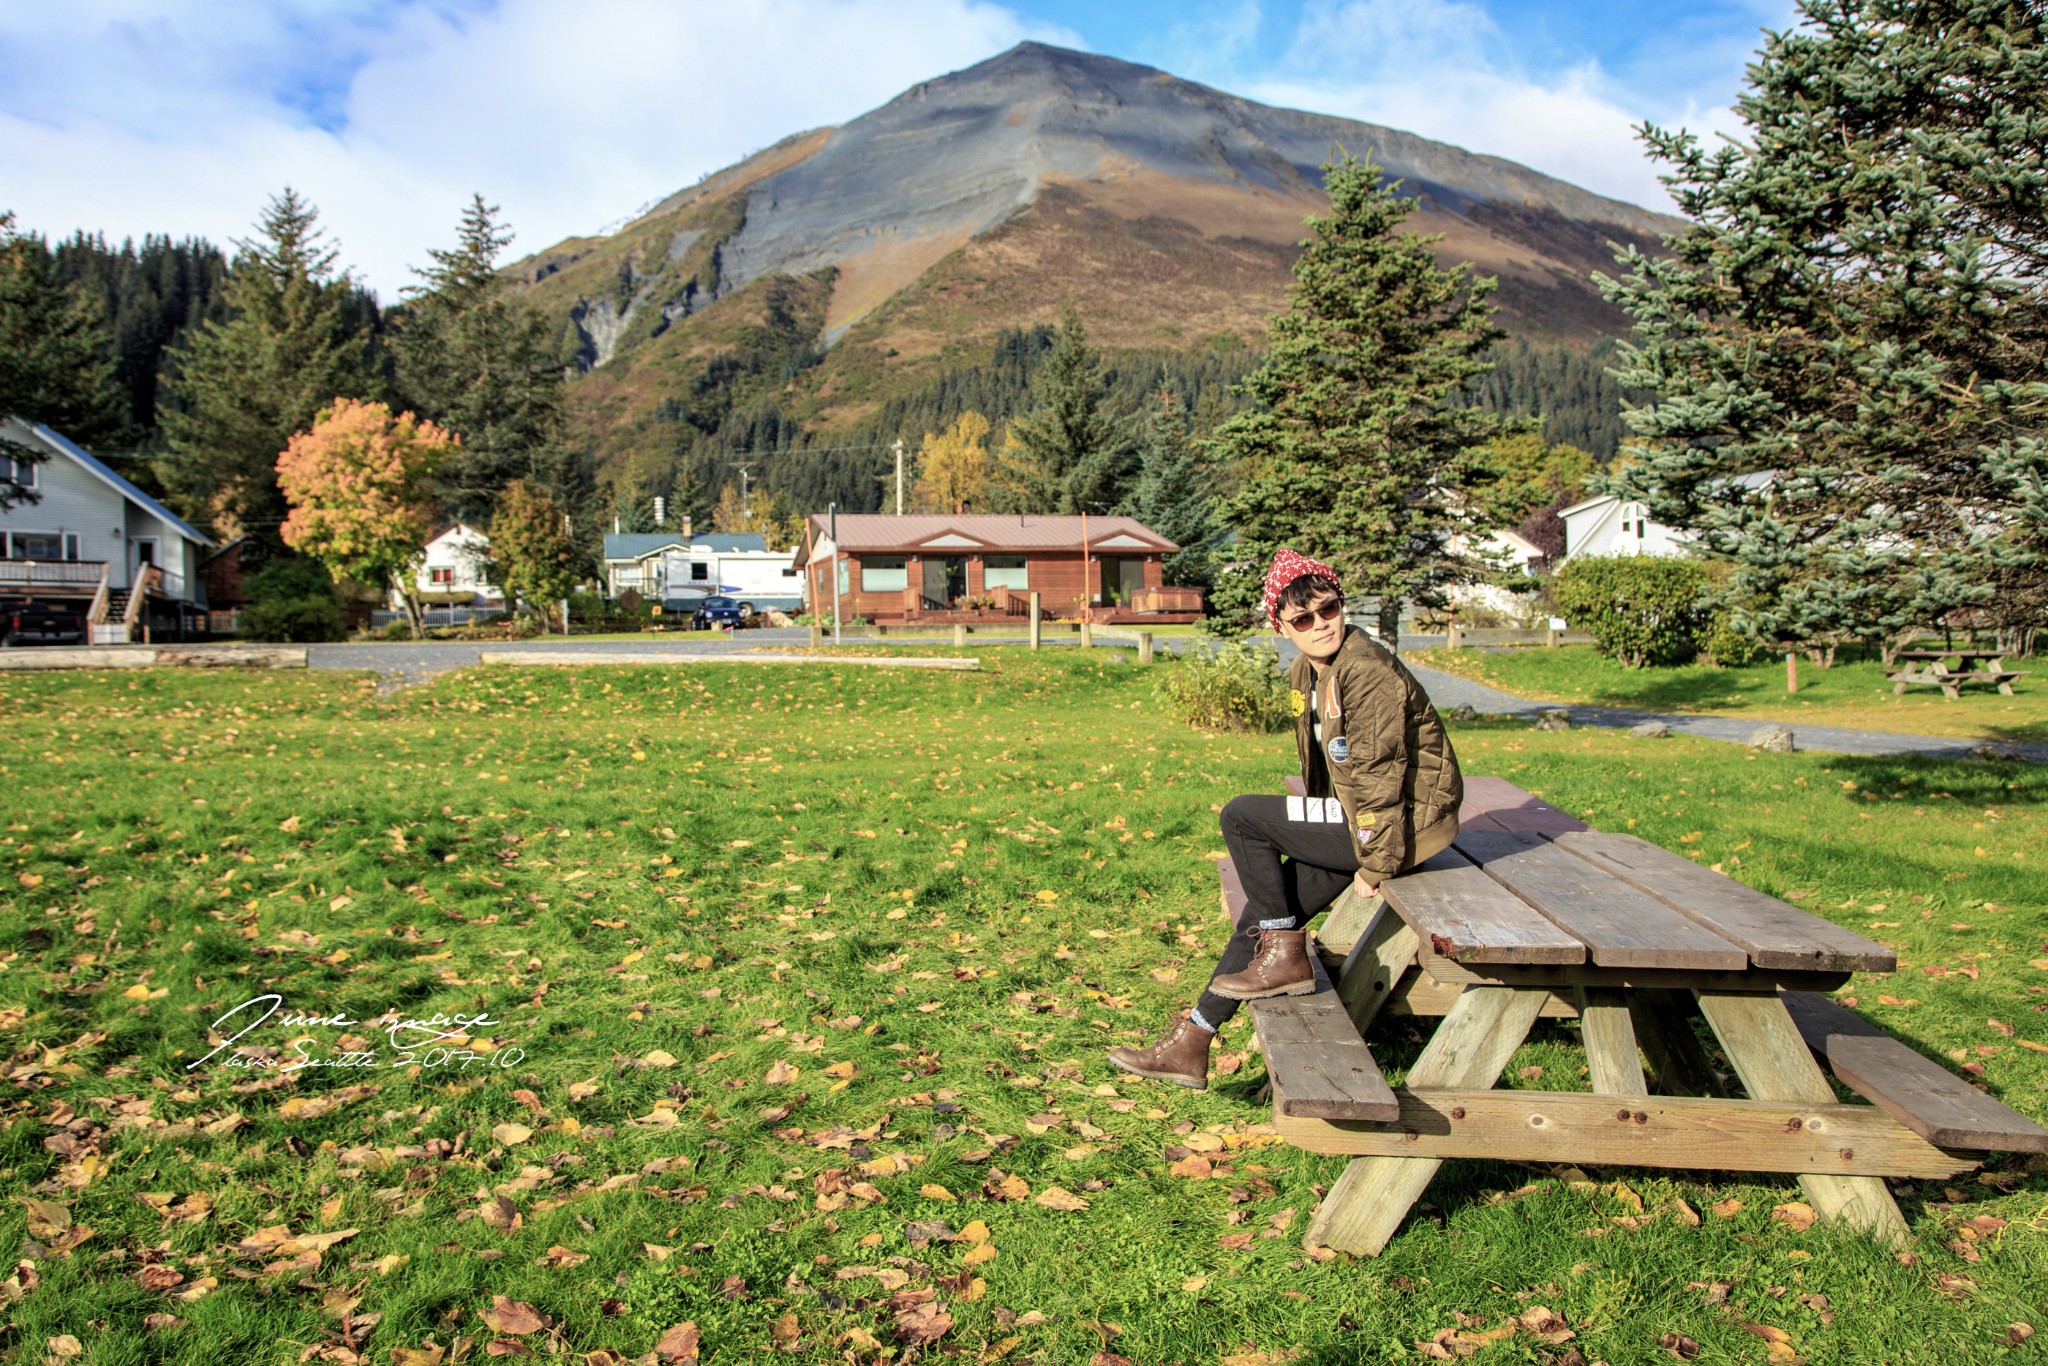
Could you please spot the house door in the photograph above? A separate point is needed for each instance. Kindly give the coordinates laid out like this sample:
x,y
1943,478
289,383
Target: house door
x,y
145,554
945,578
1122,577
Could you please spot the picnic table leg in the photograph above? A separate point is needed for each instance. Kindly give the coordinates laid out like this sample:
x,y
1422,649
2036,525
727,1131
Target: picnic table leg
x,y
1663,1026
1768,1053
1382,955
1610,1039
1349,917
1470,1047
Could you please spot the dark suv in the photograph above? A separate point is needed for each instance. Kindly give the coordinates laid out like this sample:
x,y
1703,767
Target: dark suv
x,y
41,623
720,611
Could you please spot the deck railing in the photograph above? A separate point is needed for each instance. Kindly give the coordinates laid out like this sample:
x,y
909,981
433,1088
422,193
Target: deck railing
x,y
75,575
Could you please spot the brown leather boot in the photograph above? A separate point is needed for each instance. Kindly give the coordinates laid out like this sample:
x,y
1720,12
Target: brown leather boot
x,y
1182,1057
1279,968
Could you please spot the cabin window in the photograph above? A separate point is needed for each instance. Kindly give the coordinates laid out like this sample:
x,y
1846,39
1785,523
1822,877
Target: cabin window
x,y
1005,571
35,545
884,573
443,575
17,471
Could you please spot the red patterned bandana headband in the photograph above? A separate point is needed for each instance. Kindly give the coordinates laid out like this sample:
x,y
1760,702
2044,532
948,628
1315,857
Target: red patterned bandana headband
x,y
1287,567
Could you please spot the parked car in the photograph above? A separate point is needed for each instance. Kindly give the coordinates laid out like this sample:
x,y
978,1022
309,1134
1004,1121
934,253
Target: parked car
x,y
42,623
721,611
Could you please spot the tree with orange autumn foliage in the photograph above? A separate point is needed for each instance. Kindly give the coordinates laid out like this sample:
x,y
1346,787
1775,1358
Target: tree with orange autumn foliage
x,y
357,487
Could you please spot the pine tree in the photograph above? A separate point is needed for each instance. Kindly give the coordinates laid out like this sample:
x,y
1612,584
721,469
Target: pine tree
x,y
1849,349
293,340
482,363
1357,451
1174,494
55,362
1071,453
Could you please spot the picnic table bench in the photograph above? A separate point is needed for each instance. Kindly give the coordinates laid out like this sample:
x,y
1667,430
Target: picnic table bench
x,y
1532,913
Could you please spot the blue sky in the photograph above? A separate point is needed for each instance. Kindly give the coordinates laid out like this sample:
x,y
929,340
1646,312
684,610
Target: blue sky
x,y
181,116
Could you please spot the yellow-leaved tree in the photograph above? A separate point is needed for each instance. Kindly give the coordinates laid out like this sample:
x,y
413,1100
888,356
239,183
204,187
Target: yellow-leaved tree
x,y
357,487
953,467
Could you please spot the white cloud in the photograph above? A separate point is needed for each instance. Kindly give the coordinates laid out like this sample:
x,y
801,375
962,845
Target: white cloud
x,y
159,116
1444,70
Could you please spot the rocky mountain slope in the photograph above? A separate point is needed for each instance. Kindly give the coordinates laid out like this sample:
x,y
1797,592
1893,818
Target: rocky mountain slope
x,y
843,264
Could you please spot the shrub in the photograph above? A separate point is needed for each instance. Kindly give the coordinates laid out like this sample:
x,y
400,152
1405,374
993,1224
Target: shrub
x,y
1724,646
292,599
1235,688
1641,609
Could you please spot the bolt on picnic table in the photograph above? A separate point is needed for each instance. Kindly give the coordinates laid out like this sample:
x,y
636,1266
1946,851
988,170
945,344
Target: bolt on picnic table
x,y
1532,913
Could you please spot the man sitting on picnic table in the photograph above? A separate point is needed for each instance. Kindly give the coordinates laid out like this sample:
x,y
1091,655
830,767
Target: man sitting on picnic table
x,y
1383,795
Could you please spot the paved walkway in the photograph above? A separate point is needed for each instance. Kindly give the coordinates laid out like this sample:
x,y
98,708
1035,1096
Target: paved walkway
x,y
415,662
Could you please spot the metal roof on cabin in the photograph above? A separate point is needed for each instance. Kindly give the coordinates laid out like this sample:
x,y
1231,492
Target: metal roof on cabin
x,y
634,545
127,490
883,531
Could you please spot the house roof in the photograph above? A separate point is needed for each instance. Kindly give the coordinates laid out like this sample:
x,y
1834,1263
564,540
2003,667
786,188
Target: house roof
x,y
120,485
1592,502
638,545
876,531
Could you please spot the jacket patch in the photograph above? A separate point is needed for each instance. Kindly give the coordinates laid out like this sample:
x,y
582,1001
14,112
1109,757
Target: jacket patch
x,y
1340,750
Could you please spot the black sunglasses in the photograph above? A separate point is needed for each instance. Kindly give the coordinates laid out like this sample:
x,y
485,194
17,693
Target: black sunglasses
x,y
1326,612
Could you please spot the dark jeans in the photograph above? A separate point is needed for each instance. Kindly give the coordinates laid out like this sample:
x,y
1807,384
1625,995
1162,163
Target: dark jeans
x,y
1291,870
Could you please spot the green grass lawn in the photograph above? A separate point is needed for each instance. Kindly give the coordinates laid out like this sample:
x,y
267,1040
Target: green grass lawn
x,y
798,984
1853,693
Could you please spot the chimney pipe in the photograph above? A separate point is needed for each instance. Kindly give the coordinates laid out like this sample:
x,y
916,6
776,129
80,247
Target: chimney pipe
x,y
686,527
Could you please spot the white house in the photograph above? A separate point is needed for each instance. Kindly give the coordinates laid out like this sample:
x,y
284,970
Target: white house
x,y
1608,525
85,533
1501,548
451,571
664,566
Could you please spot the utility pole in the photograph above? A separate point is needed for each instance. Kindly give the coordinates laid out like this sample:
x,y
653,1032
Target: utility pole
x,y
898,448
832,534
746,508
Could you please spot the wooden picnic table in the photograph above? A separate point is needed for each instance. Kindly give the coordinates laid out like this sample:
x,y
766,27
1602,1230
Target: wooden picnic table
x,y
1965,657
1532,914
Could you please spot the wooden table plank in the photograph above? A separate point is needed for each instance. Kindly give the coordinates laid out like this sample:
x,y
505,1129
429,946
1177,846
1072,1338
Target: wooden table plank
x,y
1383,954
1769,1055
1922,1094
1466,916
1850,1142
1468,1050
1496,803
1563,976
1620,926
1311,1045
1775,934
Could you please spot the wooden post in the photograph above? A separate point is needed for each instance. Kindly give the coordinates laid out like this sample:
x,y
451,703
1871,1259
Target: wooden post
x,y
1791,671
1451,634
960,633
817,636
1144,647
1550,637
1087,633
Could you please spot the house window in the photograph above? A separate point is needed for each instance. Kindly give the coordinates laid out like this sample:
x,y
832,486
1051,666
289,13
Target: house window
x,y
884,573
443,575
70,547
1004,571
35,545
14,470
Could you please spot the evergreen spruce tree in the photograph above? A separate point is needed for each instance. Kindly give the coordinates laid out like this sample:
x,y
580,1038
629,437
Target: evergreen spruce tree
x,y
1174,494
56,366
293,339
1357,450
1069,453
482,363
1848,352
